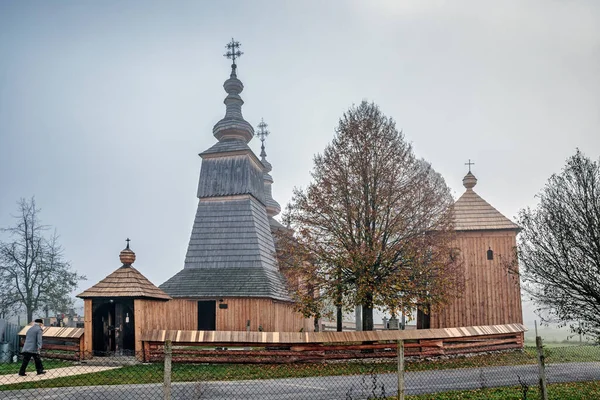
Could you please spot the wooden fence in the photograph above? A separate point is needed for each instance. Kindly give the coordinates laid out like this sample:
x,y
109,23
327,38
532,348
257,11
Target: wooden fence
x,y
62,343
9,334
289,347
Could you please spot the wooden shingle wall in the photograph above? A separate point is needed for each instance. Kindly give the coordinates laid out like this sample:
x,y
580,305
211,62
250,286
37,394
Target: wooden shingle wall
x,y
289,347
277,338
492,294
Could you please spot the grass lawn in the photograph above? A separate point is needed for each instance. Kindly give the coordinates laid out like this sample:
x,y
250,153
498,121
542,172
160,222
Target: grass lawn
x,y
153,373
559,391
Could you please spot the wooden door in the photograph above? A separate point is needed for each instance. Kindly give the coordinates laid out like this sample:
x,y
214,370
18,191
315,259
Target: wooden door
x,y
207,315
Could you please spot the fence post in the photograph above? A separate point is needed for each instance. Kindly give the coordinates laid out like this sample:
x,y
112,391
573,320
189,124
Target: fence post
x,y
167,377
542,368
400,369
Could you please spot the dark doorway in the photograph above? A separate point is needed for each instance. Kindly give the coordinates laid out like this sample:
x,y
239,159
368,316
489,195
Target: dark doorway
x,y
113,327
103,334
207,315
423,318
128,329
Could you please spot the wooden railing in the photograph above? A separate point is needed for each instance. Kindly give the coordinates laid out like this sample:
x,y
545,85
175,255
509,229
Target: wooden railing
x,y
290,347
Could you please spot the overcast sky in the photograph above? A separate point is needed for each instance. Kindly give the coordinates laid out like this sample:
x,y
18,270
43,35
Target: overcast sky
x,y
104,105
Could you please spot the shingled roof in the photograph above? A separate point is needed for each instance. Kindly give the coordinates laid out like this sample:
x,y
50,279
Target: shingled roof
x,y
125,282
471,212
230,254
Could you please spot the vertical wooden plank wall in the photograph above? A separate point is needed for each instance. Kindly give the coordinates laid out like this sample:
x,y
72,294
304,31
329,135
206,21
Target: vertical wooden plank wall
x,y
182,314
492,294
289,320
87,328
176,314
270,315
139,307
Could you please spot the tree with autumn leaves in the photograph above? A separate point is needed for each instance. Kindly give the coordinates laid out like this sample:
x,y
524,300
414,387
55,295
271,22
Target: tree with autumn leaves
x,y
373,228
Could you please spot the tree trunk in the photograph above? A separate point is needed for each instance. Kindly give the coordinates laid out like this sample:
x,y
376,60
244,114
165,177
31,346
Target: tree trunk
x,y
29,314
367,313
338,301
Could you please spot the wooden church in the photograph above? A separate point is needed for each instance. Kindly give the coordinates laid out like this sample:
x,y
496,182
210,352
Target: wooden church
x,y
231,281
486,240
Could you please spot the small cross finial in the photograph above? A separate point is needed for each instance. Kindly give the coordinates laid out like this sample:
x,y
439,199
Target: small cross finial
x,y
262,135
127,240
233,50
262,130
469,164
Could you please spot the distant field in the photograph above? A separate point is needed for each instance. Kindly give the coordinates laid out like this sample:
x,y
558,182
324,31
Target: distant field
x,y
549,335
531,343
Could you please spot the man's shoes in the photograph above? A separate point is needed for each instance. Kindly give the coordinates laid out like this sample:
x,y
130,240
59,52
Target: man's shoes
x,y
41,372
20,374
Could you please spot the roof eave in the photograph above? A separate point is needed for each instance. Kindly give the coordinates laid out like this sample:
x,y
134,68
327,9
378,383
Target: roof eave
x,y
517,229
104,296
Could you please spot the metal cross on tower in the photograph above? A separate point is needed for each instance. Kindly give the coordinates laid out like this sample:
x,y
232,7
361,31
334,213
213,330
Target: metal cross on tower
x,y
262,135
469,164
233,50
262,130
127,240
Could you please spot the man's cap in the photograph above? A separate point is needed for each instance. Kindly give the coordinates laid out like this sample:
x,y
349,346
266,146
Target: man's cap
x,y
39,321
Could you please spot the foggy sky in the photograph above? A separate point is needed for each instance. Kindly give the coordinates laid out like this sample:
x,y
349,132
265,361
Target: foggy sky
x,y
104,105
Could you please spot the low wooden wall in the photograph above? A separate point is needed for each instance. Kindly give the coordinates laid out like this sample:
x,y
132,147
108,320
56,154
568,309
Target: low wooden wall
x,y
62,343
288,347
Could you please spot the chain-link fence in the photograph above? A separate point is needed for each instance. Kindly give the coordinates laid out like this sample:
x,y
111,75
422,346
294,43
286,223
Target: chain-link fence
x,y
115,377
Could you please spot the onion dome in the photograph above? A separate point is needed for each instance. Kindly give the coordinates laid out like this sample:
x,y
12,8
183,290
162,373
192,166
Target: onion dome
x,y
469,181
127,256
233,125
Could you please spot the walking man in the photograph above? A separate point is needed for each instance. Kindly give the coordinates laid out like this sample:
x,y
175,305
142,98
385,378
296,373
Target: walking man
x,y
32,348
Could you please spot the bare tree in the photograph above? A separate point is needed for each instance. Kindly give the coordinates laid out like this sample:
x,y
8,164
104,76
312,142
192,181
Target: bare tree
x,y
32,268
375,221
559,246
9,303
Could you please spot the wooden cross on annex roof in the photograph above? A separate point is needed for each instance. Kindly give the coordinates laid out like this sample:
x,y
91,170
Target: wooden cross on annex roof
x,y
469,164
233,50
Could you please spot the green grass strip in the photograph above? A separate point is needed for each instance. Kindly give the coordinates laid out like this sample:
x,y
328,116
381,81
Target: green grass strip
x,y
153,373
557,391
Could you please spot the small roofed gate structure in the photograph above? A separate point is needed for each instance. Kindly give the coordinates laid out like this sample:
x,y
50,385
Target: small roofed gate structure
x,y
59,342
486,240
120,306
230,269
